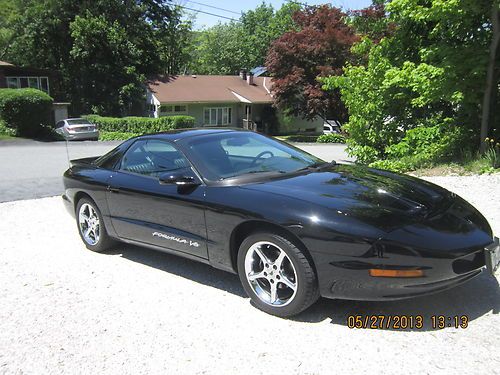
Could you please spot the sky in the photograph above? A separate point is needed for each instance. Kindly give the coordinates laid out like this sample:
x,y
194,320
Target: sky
x,y
233,8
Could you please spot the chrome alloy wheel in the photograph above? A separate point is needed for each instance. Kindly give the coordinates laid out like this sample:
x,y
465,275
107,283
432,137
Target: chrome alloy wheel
x,y
271,274
88,222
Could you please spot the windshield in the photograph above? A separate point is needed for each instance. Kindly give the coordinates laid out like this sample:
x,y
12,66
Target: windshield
x,y
232,154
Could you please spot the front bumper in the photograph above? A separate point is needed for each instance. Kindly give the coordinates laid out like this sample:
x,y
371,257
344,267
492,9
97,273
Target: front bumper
x,y
449,248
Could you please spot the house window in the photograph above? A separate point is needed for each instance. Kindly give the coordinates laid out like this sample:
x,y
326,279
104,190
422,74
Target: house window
x,y
12,83
165,108
217,116
40,83
152,107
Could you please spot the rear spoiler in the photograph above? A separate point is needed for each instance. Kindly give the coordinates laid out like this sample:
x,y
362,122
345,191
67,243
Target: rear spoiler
x,y
83,161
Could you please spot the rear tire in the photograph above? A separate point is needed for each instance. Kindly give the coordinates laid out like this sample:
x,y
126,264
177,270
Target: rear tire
x,y
276,274
91,226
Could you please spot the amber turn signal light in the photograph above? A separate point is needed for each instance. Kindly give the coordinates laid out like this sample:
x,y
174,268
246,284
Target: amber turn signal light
x,y
396,273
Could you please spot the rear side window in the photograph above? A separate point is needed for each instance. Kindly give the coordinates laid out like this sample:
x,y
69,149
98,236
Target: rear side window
x,y
60,124
152,158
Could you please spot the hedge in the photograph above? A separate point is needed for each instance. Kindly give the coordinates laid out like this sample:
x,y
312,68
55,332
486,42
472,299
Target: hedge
x,y
331,138
26,111
140,125
116,136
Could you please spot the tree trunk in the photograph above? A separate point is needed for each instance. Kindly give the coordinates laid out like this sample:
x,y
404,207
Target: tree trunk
x,y
491,77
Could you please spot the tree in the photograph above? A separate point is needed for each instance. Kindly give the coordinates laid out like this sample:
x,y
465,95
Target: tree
x,y
103,49
227,48
9,11
492,77
319,47
428,70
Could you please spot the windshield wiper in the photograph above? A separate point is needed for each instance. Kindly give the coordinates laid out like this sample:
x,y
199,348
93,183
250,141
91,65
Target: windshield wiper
x,y
251,172
315,166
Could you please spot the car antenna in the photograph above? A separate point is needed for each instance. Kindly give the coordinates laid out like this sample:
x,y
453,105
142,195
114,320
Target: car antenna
x,y
67,153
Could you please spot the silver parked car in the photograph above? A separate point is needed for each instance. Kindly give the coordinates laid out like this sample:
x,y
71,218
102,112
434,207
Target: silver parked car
x,y
77,129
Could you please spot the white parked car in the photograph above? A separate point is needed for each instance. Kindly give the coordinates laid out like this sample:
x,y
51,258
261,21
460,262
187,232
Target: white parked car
x,y
77,129
331,126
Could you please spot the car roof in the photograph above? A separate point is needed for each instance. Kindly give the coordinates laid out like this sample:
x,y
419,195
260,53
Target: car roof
x,y
178,134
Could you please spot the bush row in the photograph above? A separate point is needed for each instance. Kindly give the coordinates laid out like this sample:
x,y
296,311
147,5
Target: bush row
x,y
331,138
25,111
140,125
116,136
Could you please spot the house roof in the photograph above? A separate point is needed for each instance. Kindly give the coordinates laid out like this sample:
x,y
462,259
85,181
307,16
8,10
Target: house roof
x,y
210,89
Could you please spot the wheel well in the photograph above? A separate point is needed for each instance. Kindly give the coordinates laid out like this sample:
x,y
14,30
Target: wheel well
x,y
79,196
243,230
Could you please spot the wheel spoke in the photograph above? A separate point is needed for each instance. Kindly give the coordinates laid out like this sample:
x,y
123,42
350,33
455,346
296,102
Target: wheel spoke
x,y
261,255
87,231
278,262
274,293
255,276
287,282
83,217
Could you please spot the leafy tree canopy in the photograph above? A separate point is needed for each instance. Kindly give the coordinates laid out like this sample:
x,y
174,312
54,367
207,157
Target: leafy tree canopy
x,y
319,47
227,48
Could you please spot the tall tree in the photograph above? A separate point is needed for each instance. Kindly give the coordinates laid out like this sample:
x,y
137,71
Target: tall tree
x,y
103,49
319,47
489,112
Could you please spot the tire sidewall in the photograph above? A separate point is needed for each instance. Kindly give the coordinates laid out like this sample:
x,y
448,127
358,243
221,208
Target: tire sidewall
x,y
298,301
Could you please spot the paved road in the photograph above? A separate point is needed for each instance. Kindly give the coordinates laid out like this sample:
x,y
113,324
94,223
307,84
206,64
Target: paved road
x,y
32,169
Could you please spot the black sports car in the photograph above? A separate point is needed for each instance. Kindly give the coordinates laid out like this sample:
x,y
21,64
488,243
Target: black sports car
x,y
291,225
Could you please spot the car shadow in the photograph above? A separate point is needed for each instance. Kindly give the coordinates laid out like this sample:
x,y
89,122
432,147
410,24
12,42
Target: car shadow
x,y
183,267
472,299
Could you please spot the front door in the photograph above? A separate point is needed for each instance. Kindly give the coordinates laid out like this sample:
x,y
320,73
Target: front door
x,y
142,209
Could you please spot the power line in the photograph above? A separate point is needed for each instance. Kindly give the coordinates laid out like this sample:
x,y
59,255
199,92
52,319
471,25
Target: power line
x,y
211,6
210,14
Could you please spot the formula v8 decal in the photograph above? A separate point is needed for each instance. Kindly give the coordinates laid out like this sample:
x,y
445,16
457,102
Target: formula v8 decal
x,y
176,239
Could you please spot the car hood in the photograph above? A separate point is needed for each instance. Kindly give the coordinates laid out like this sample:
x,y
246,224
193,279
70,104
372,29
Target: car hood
x,y
386,199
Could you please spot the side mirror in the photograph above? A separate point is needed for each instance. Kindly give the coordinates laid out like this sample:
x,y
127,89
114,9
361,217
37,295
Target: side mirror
x,y
177,178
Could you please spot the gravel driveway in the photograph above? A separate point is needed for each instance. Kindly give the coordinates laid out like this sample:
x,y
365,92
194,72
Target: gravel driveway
x,y
65,310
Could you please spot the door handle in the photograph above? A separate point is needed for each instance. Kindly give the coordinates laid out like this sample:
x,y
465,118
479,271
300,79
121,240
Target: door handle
x,y
113,190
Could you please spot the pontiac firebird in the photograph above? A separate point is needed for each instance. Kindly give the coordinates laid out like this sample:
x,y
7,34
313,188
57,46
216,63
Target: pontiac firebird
x,y
292,226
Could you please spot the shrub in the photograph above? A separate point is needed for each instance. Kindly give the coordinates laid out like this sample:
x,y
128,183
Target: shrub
x,y
299,138
25,110
141,125
331,138
115,136
4,130
421,147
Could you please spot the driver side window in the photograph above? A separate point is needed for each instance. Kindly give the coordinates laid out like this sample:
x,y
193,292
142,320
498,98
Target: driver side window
x,y
153,157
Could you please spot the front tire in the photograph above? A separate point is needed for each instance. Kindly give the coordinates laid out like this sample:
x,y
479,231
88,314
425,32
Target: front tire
x,y
276,274
91,226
